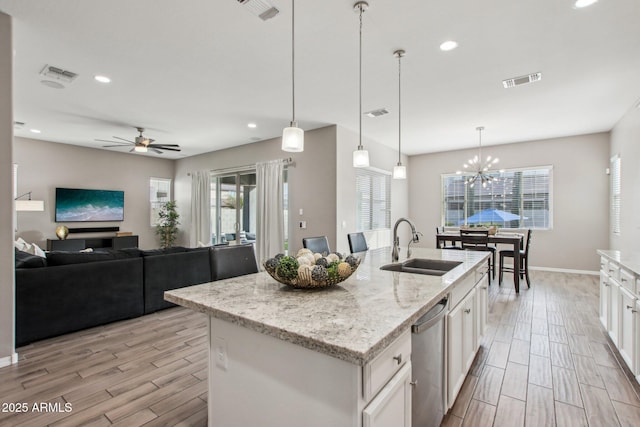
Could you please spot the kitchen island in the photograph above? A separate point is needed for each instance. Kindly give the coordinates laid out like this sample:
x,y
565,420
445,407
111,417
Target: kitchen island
x,y
338,356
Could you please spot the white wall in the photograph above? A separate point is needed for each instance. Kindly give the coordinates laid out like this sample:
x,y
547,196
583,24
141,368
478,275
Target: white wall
x,y
43,166
312,181
7,341
380,157
625,141
580,195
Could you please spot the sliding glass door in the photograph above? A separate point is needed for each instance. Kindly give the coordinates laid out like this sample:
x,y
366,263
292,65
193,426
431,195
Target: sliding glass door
x,y
233,208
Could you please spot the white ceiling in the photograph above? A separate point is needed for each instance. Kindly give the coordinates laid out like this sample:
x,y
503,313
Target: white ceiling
x,y
196,73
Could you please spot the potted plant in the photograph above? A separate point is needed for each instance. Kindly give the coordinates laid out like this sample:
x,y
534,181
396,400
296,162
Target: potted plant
x,y
167,226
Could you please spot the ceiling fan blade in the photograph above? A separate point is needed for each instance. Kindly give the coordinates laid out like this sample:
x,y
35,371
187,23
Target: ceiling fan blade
x,y
110,146
165,145
167,148
132,150
155,151
113,142
131,142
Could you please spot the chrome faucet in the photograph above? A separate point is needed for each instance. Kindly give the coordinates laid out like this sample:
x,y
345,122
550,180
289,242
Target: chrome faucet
x,y
396,241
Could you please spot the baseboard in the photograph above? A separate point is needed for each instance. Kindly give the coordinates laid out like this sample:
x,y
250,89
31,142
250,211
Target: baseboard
x,y
9,360
565,270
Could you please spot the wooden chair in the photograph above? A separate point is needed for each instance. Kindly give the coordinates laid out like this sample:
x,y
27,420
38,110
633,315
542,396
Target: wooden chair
x,y
443,244
318,244
478,240
357,242
524,261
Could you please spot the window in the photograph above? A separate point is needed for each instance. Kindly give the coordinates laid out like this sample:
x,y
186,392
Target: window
x,y
520,198
615,194
373,199
159,193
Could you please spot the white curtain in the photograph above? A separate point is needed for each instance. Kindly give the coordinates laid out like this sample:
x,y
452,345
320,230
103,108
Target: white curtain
x,y
270,213
200,208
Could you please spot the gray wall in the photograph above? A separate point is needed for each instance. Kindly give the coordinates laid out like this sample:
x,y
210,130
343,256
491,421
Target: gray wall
x,y
6,193
43,166
625,141
580,194
312,181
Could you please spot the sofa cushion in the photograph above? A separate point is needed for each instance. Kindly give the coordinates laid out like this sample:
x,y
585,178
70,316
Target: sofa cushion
x,y
66,258
163,251
26,260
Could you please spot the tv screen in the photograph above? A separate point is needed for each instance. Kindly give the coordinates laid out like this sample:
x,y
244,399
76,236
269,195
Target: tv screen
x,y
80,205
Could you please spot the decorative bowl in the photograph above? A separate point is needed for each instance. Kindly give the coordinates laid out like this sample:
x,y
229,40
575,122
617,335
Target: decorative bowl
x,y
303,274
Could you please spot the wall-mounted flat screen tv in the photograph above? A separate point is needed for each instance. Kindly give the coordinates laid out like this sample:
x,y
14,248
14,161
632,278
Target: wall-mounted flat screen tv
x,y
81,205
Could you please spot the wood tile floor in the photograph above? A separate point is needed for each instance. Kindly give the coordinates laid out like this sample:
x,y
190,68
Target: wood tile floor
x,y
545,361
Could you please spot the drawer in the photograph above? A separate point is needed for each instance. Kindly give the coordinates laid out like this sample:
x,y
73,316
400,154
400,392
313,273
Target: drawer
x,y
628,280
380,370
462,289
613,270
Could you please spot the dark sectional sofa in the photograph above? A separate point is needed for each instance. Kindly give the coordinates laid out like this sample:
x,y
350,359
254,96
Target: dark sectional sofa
x,y
71,291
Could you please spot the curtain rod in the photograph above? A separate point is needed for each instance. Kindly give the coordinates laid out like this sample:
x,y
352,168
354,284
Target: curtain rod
x,y
287,161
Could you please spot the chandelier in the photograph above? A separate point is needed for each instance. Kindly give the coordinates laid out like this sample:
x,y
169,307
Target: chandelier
x,y
480,167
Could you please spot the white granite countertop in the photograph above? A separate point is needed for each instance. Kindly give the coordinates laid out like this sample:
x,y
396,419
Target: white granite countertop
x,y
629,260
353,321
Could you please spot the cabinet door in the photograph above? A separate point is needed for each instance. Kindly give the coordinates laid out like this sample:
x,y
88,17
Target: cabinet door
x,y
614,310
605,300
461,344
392,406
636,316
482,307
627,338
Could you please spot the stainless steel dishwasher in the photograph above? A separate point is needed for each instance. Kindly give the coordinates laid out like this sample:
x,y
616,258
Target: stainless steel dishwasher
x,y
427,362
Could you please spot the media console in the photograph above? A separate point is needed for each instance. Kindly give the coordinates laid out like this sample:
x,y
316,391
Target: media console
x,y
115,242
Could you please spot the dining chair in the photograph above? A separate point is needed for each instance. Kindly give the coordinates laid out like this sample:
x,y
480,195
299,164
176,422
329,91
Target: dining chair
x,y
478,240
443,243
232,261
523,270
318,244
357,242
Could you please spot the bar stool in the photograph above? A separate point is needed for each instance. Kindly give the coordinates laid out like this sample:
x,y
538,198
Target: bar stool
x,y
523,269
478,240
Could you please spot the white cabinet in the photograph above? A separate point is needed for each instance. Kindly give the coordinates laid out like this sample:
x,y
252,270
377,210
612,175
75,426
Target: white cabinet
x,y
605,301
461,344
482,307
392,406
619,310
627,329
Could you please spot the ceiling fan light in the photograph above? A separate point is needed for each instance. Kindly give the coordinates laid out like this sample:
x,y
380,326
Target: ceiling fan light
x,y
399,171
140,149
293,139
360,158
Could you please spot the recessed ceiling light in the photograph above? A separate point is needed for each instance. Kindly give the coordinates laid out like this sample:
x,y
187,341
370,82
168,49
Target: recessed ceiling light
x,y
102,79
579,4
35,130
252,125
448,45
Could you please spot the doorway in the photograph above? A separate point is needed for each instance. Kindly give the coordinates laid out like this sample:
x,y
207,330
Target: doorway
x,y
233,208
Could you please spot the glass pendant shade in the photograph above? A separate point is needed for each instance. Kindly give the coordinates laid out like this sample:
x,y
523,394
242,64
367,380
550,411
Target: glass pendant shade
x,y
399,171
361,158
293,139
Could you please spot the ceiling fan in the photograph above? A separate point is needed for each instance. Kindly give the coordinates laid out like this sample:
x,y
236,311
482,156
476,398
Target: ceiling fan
x,y
141,144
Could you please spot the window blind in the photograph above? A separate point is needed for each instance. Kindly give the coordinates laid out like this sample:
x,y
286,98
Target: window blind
x,y
373,199
615,194
519,198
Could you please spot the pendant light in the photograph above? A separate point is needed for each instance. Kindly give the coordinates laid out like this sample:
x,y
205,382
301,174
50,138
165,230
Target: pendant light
x,y
293,136
360,156
479,166
399,170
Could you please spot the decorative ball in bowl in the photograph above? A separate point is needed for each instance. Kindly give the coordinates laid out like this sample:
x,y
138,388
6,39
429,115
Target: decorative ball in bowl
x,y
308,270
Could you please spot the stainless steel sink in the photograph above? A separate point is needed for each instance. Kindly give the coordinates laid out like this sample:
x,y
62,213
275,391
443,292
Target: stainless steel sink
x,y
432,267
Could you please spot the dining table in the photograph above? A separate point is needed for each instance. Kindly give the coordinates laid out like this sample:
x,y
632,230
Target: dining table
x,y
504,238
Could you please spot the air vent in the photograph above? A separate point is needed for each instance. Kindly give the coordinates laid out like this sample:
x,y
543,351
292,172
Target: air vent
x,y
18,125
522,80
377,113
259,8
58,74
